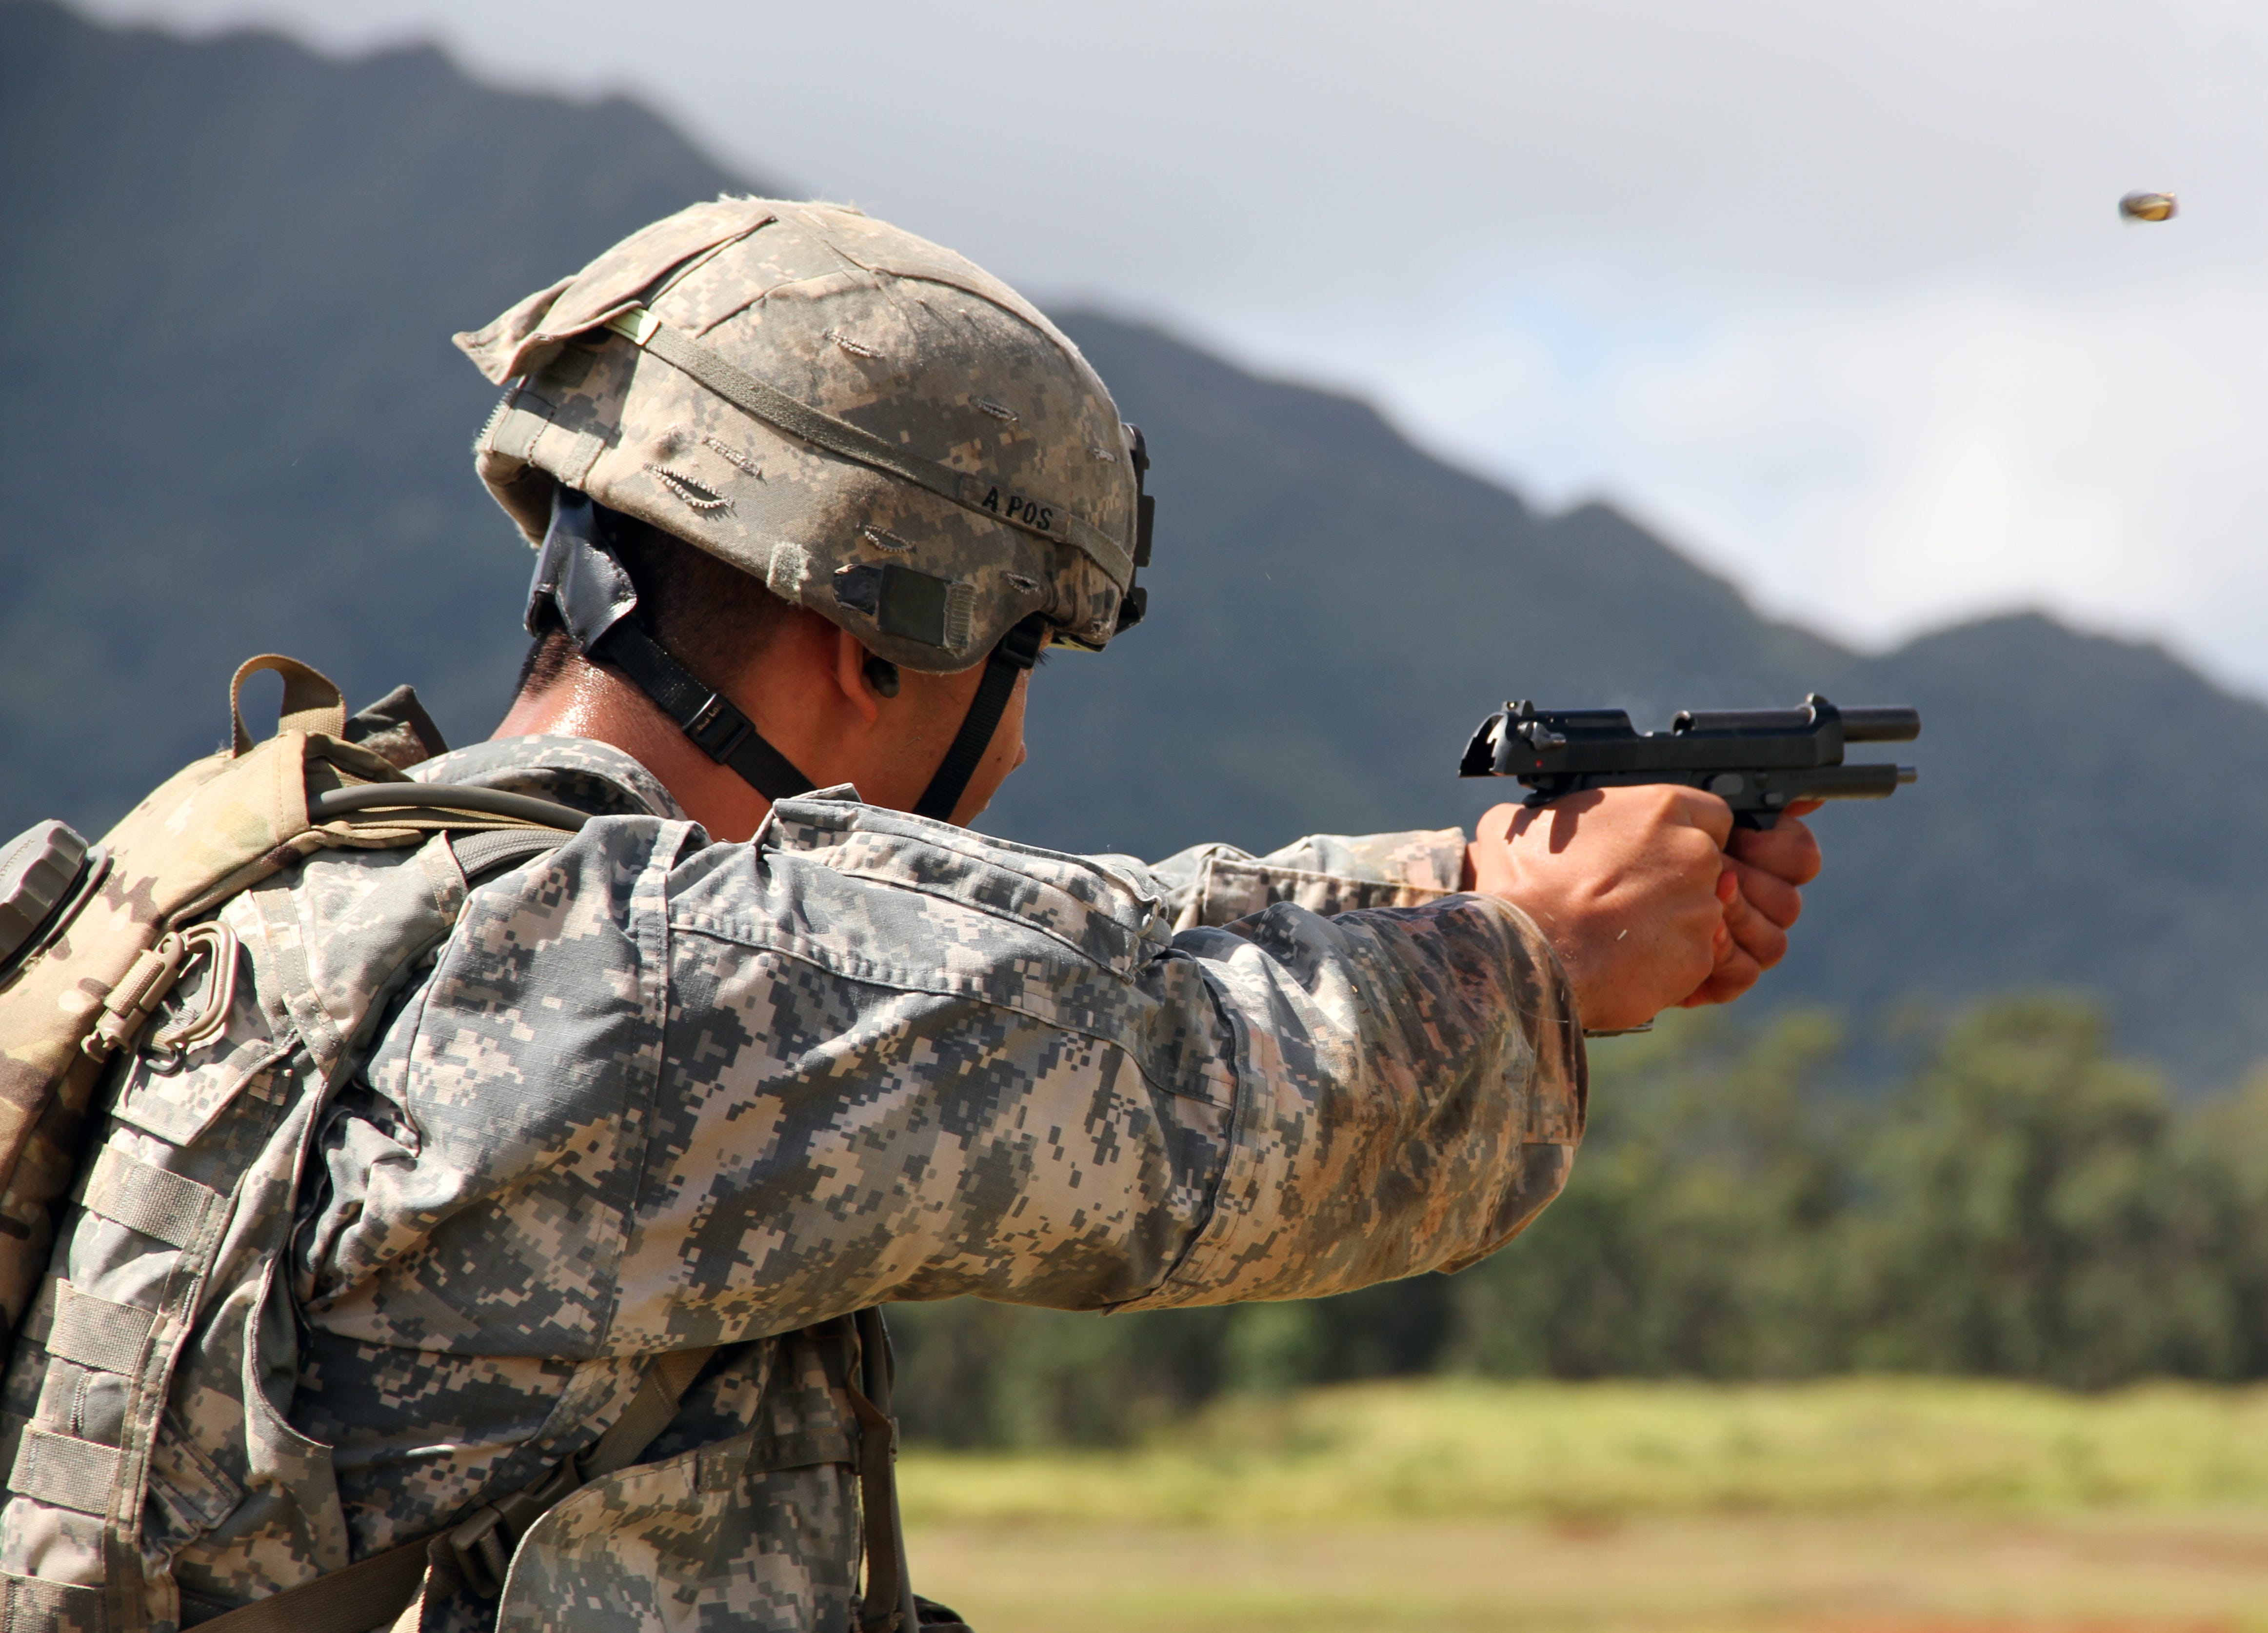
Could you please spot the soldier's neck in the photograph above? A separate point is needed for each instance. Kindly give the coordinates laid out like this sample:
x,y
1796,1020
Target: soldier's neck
x,y
589,701
810,698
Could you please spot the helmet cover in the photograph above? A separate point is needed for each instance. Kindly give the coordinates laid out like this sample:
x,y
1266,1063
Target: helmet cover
x,y
964,468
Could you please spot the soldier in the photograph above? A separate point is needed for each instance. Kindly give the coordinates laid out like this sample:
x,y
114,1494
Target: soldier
x,y
563,1266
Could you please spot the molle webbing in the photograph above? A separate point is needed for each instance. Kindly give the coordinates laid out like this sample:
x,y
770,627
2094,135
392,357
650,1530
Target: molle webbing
x,y
148,1199
94,1332
29,1602
65,1472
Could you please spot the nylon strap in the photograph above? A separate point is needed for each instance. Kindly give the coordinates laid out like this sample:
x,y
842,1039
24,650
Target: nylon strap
x,y
94,1332
151,1200
1018,651
717,728
312,702
887,1606
823,429
647,1414
64,1471
367,1595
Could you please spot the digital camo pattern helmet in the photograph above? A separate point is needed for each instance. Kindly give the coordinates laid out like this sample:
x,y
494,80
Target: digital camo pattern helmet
x,y
873,426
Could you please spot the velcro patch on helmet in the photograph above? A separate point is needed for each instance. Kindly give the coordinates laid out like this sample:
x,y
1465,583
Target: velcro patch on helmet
x,y
908,603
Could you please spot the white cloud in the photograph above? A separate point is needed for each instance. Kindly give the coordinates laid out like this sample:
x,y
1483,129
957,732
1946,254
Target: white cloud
x,y
1874,466
1833,292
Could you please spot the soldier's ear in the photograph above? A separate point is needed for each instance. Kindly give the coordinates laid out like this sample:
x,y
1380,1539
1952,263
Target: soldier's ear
x,y
853,673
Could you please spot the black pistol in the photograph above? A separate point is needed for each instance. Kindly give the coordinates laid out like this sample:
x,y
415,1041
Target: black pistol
x,y
1758,761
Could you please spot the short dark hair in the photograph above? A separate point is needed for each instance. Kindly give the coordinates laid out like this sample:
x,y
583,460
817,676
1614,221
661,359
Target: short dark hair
x,y
712,617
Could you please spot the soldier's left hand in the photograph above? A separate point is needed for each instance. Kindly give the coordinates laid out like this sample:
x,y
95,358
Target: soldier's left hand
x,y
1760,889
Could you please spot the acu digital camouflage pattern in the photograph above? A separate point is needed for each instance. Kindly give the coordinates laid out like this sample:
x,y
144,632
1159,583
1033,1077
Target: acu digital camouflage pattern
x,y
214,826
874,326
648,1094
88,1441
1325,873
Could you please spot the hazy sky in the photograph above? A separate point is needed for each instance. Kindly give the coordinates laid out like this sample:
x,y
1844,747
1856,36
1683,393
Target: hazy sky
x,y
1835,294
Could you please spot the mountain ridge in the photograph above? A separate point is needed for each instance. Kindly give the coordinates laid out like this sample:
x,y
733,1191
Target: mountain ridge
x,y
237,425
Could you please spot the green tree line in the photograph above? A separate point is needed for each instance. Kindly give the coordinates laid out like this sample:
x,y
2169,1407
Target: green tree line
x,y
2019,1202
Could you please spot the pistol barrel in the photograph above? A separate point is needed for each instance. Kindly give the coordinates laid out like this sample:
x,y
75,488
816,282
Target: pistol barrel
x,y
1882,724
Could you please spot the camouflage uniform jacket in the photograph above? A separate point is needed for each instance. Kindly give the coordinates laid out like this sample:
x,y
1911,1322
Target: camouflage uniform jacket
x,y
470,1153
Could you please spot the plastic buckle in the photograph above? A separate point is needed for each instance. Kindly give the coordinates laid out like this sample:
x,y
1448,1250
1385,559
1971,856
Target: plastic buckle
x,y
478,1551
127,1007
1020,646
481,1544
716,728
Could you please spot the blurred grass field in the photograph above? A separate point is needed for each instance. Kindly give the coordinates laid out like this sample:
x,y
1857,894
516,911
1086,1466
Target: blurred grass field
x,y
1846,1507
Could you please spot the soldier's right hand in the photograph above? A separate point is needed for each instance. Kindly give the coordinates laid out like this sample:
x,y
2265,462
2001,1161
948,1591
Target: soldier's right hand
x,y
1625,884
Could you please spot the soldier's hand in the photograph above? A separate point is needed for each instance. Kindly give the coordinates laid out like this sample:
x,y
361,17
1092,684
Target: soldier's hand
x,y
1631,887
1760,888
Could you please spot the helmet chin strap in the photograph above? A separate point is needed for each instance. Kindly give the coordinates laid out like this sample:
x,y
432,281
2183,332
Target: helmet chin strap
x,y
578,573
1018,651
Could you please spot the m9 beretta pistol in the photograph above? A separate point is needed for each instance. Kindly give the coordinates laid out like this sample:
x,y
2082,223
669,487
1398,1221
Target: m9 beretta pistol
x,y
1758,761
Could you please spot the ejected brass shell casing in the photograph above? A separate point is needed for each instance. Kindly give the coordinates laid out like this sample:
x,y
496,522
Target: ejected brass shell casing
x,y
2148,206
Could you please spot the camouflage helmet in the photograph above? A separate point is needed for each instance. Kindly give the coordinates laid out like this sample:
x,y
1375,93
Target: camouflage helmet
x,y
873,426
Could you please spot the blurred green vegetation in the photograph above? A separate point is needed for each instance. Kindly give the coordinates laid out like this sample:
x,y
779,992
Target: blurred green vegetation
x,y
1473,1449
2016,1204
1870,1504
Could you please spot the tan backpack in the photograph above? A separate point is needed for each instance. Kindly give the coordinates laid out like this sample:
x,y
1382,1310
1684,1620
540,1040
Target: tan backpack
x,y
94,936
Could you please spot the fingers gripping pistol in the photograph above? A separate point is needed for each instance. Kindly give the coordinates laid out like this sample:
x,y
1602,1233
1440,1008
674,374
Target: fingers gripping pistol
x,y
1758,761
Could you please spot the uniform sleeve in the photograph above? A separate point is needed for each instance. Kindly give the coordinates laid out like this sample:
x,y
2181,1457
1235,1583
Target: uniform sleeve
x,y
1217,885
1410,1087
670,1094
915,1063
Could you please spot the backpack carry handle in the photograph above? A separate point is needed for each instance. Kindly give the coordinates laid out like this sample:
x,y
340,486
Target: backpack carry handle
x,y
312,703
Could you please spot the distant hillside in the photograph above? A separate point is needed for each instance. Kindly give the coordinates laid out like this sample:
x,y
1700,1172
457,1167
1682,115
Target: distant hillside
x,y
1335,611
235,422
233,416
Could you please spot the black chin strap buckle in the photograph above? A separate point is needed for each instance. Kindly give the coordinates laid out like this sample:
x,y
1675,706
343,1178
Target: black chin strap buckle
x,y
1021,646
718,729
578,572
